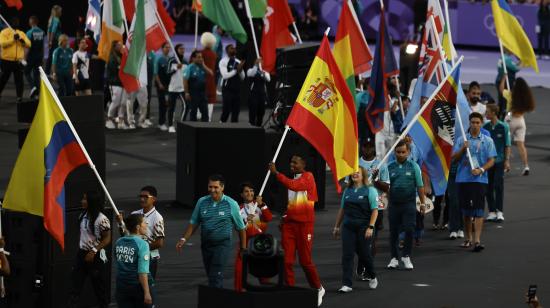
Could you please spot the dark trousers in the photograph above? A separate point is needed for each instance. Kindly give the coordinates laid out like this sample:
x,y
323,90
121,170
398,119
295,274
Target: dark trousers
x,y
97,271
149,94
544,45
198,102
132,296
353,240
437,210
231,105
256,108
495,189
456,222
214,258
9,67
162,105
50,57
173,97
402,217
32,74
153,266
65,83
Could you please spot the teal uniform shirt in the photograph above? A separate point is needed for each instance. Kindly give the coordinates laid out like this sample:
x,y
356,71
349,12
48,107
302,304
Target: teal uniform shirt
x,y
55,29
196,75
405,178
132,258
36,51
500,133
62,59
217,219
160,68
358,204
482,148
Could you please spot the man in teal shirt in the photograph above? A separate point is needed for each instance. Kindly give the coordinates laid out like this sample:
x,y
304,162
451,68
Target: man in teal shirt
x,y
194,83
218,215
35,55
500,133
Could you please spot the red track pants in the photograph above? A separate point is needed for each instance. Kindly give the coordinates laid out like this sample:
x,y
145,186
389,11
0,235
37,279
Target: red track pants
x,y
298,236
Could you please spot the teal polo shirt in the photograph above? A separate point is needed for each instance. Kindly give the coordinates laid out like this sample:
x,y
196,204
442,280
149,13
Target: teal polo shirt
x,y
405,178
160,68
196,75
217,219
36,36
358,203
62,59
132,258
500,133
482,149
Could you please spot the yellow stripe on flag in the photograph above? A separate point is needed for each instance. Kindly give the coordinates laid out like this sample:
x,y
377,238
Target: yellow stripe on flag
x,y
437,149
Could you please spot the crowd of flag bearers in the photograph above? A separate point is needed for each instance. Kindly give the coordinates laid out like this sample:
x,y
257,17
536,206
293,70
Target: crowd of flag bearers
x,y
437,144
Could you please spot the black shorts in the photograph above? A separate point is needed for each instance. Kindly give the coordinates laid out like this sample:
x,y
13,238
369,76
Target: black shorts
x,y
83,84
471,197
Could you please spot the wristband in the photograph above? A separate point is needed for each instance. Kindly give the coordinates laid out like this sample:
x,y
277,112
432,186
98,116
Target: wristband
x,y
371,227
422,205
94,249
482,170
336,229
183,239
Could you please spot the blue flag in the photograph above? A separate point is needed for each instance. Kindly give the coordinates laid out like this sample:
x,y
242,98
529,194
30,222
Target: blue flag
x,y
93,18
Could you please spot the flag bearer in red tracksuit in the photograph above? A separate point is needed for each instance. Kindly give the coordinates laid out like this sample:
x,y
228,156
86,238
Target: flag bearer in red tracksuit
x,y
255,215
297,222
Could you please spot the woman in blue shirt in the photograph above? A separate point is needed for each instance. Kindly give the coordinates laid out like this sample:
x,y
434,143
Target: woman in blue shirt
x,y
133,281
358,212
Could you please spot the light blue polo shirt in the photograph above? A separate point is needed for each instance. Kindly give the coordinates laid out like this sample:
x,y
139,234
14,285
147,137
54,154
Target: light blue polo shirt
x,y
482,149
132,258
217,219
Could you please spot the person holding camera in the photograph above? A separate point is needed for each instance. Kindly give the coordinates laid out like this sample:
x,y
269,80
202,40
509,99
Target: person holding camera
x,y
12,51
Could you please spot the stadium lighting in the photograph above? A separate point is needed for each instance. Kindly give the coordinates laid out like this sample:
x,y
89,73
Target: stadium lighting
x,y
411,48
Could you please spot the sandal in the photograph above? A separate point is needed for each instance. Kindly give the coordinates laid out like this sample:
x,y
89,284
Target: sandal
x,y
478,247
466,244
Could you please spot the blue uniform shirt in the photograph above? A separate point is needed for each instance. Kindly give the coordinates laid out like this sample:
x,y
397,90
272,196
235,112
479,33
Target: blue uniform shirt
x,y
54,27
160,68
482,149
500,133
217,219
405,178
358,203
196,75
62,59
132,258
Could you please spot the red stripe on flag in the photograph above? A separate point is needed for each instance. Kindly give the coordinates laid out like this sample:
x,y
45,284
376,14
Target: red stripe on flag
x,y
70,157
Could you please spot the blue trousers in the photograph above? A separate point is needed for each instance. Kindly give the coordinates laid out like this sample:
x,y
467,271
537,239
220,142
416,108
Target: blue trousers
x,y
495,189
214,258
353,240
65,82
132,296
456,222
402,217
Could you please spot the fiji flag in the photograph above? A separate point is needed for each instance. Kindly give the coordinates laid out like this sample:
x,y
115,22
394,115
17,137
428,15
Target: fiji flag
x,y
93,18
50,152
384,66
433,132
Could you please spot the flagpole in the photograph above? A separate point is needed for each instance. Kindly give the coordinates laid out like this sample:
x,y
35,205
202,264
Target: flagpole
x,y
439,46
4,20
2,287
400,100
287,129
73,130
448,25
459,116
196,27
415,118
125,19
504,64
249,15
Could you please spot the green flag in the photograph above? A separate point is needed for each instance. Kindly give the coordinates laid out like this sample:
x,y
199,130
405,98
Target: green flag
x,y
222,14
257,8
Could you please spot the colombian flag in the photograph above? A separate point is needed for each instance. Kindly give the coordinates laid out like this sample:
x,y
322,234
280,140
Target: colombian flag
x,y
433,133
49,154
511,34
352,59
324,114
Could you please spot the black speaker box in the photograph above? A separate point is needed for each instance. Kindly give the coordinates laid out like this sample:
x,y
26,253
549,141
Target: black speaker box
x,y
276,195
299,55
231,149
288,297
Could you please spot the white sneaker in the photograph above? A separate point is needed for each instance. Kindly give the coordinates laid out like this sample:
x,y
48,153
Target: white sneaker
x,y
131,126
393,264
148,122
453,235
345,289
163,127
373,283
407,264
142,124
491,217
110,124
321,294
122,125
525,171
460,234
500,216
171,129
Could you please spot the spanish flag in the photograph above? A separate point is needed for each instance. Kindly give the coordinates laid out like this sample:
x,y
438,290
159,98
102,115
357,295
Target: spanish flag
x,y
511,34
49,154
324,114
352,58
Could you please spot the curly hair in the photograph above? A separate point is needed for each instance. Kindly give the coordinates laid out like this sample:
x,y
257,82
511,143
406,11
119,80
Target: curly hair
x,y
522,97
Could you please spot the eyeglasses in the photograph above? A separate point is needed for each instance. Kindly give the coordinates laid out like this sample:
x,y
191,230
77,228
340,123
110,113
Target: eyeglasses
x,y
144,196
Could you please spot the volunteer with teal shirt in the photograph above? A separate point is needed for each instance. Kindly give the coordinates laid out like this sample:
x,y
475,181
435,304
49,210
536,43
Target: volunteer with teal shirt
x,y
405,183
194,83
62,66
472,180
133,281
218,215
54,31
358,212
35,56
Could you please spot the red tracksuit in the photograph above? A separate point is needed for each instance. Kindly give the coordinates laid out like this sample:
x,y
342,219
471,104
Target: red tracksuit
x,y
297,226
257,226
